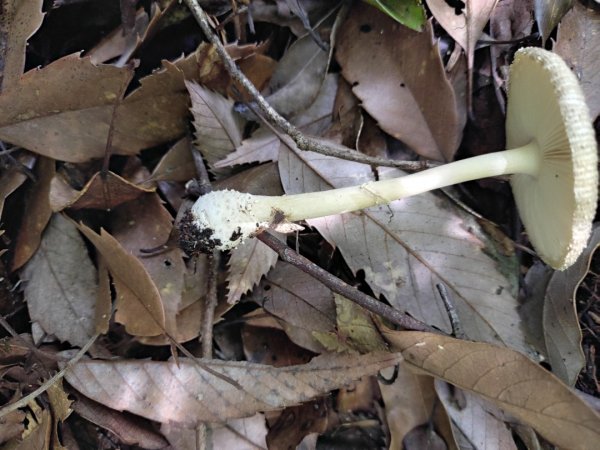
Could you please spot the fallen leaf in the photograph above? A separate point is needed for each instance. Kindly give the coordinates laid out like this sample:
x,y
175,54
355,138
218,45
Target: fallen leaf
x,y
218,128
36,215
303,305
99,192
61,284
394,71
162,391
19,21
577,42
410,401
561,322
507,379
408,247
138,303
35,113
146,224
548,13
177,164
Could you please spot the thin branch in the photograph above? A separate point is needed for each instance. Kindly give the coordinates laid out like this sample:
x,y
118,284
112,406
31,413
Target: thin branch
x,y
302,141
336,285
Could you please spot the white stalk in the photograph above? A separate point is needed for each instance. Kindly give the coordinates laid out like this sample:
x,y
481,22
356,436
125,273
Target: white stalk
x,y
225,218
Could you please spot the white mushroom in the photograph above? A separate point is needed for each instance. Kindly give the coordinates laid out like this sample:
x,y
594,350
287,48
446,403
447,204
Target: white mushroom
x,y
552,160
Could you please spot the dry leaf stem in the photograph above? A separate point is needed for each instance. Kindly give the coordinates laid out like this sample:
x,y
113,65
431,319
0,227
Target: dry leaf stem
x,y
336,285
274,118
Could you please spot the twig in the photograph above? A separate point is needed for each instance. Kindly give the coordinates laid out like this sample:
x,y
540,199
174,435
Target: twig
x,y
44,387
336,285
274,118
457,329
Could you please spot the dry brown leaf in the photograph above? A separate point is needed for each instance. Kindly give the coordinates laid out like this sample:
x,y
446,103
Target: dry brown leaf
x,y
61,285
60,404
409,402
183,392
408,247
241,434
138,303
18,23
577,42
99,192
218,128
507,379
272,347
398,75
35,113
303,305
146,224
473,419
177,163
38,432
560,319
103,299
36,215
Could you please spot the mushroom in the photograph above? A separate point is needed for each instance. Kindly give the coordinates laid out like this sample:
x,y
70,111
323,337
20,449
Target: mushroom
x,y
552,158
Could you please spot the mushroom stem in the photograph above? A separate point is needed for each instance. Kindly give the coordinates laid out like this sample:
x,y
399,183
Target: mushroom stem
x,y
523,160
223,219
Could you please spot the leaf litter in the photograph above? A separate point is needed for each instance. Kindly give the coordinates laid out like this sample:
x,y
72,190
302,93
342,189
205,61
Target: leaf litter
x,y
97,148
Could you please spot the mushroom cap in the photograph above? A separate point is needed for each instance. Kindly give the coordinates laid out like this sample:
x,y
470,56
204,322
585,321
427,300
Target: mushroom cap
x,y
546,105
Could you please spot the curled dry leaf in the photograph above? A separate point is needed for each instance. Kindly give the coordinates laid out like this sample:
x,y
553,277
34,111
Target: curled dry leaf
x,y
99,192
138,304
507,379
19,21
61,284
560,319
548,14
11,179
394,72
183,392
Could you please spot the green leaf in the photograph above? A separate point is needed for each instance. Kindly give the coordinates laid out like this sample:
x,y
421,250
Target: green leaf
x,y
409,13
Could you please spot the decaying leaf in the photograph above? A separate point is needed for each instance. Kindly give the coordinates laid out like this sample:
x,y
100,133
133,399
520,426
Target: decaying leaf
x,y
577,42
138,303
176,164
61,285
408,247
561,322
185,393
394,71
507,379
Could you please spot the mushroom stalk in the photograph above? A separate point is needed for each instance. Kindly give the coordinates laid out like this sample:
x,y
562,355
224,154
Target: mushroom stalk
x,y
222,219
523,160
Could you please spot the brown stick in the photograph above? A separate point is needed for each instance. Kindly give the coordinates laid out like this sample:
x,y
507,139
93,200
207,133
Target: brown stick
x,y
337,285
